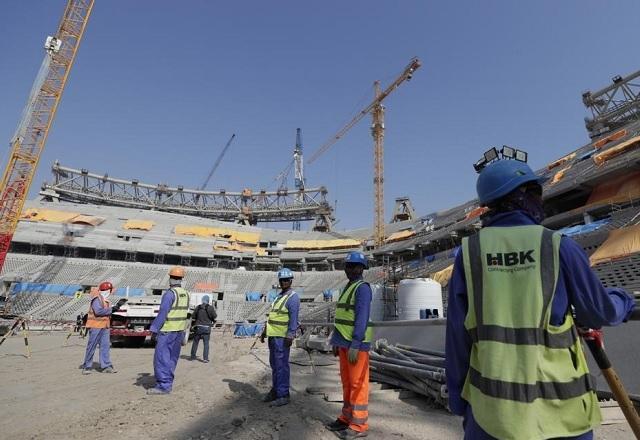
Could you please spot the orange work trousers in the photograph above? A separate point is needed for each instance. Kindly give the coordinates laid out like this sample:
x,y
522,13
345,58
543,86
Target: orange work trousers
x,y
355,390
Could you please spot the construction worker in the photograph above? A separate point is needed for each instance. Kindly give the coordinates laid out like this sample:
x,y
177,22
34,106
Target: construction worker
x,y
280,328
98,324
351,341
169,327
515,365
203,316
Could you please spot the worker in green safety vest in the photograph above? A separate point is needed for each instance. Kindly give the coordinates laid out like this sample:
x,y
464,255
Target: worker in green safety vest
x,y
281,326
514,361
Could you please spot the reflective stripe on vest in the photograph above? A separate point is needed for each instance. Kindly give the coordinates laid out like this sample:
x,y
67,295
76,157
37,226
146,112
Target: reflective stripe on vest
x,y
94,321
531,373
177,317
345,313
278,320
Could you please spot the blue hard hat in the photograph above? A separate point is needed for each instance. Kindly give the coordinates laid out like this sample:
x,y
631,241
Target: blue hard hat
x,y
285,273
205,299
356,257
499,178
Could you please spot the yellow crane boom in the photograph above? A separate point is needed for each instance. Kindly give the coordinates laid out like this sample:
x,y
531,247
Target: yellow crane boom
x,y
377,111
33,129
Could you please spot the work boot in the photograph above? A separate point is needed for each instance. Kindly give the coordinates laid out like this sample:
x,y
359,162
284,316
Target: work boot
x,y
153,391
350,433
86,371
109,370
270,396
280,401
336,425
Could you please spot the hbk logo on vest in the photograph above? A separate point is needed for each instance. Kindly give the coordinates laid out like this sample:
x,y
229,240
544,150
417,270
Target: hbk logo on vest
x,y
510,258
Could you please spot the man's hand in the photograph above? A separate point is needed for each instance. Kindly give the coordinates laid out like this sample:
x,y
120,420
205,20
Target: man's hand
x,y
335,350
121,302
262,336
288,341
353,355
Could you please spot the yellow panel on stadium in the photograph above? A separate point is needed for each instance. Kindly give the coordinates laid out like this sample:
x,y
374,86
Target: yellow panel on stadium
x,y
322,244
143,225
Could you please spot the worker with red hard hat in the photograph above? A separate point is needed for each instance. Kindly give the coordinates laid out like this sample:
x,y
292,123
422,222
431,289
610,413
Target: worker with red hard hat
x,y
98,323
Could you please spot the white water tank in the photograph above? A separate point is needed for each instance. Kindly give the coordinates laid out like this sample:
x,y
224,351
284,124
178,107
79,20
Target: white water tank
x,y
377,303
418,294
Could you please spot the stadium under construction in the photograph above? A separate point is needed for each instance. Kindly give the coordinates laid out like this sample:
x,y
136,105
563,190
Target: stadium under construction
x,y
85,227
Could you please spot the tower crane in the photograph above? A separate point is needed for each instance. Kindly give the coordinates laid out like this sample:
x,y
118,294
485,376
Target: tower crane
x,y
33,129
217,163
377,130
299,172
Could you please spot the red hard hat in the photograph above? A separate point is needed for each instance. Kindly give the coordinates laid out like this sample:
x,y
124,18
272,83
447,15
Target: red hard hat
x,y
105,285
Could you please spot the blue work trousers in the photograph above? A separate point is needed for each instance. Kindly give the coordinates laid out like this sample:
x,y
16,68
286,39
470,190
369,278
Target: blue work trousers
x,y
279,361
203,334
165,358
473,431
98,336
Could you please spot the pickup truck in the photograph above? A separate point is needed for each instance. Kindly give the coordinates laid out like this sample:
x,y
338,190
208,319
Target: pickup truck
x,y
130,325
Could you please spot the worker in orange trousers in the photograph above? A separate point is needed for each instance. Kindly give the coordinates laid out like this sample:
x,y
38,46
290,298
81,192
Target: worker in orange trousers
x,y
351,341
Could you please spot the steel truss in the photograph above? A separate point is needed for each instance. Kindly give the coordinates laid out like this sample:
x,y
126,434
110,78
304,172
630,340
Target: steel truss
x,y
246,207
614,106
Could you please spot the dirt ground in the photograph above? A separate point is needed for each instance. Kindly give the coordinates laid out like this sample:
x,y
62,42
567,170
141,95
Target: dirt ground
x,y
47,397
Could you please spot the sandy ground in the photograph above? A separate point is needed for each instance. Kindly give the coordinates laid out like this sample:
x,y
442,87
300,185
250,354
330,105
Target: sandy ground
x,y
46,397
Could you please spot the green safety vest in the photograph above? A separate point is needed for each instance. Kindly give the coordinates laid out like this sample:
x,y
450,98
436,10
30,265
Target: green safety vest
x,y
278,321
527,379
177,317
346,313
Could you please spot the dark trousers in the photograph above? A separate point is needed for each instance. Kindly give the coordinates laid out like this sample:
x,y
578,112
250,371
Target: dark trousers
x,y
279,361
205,341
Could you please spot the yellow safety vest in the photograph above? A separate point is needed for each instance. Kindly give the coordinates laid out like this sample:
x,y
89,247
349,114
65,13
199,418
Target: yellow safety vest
x,y
527,379
346,313
278,320
177,317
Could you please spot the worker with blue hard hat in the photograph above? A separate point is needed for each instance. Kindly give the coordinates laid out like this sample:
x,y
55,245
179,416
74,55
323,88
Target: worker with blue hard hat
x,y
281,326
515,365
351,341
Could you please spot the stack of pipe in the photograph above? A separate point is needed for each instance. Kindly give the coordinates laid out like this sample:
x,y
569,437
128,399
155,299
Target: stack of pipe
x,y
415,369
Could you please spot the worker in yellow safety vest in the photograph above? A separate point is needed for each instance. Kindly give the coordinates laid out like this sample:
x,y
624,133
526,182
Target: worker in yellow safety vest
x,y
514,361
169,328
351,341
280,328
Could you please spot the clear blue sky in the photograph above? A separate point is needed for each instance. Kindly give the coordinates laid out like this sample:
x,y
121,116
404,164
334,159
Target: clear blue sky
x,y
159,86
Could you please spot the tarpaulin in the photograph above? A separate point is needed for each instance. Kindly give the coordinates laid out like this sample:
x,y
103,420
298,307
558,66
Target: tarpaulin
x,y
584,229
477,212
443,276
612,152
620,243
400,235
623,188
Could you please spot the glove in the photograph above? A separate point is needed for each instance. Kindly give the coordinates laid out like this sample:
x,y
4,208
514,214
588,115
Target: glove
x,y
121,302
288,342
335,350
262,336
353,355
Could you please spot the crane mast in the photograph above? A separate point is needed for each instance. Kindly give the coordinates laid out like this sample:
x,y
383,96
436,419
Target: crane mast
x,y
37,117
377,130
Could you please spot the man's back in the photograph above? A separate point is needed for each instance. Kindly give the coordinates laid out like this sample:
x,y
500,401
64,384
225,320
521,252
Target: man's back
x,y
205,314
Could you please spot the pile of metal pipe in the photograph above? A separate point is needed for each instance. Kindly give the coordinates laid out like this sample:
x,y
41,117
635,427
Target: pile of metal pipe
x,y
418,370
